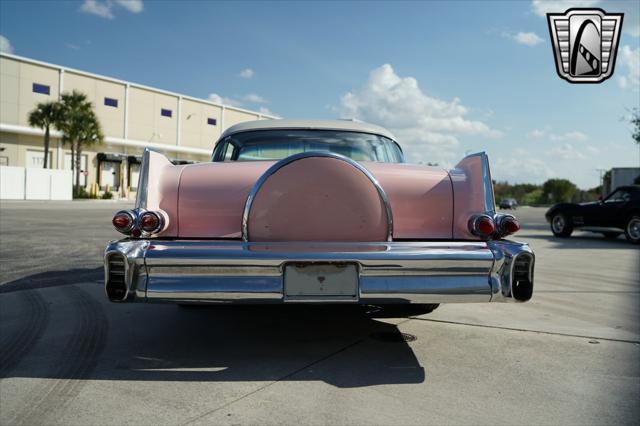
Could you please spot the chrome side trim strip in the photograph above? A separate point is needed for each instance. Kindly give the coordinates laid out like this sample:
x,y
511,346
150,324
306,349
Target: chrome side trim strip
x,y
489,197
143,181
280,164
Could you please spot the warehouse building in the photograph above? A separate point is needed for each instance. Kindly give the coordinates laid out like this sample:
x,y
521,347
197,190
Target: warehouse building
x,y
132,116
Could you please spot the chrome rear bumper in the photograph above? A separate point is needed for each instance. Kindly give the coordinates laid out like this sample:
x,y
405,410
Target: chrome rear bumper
x,y
388,272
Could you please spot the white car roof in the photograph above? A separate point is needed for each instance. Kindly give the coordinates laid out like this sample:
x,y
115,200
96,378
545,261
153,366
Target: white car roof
x,y
346,125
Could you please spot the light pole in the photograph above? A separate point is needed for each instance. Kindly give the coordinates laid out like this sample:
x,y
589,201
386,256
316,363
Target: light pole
x,y
602,172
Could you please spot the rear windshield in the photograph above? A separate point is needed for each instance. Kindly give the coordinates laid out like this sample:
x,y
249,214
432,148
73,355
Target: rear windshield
x,y
279,144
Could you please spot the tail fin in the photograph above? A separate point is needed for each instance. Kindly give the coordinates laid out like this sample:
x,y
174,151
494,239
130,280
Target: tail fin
x,y
472,192
149,183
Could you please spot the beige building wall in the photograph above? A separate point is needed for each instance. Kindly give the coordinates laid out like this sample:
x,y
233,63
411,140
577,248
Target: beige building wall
x,y
136,119
146,122
17,97
196,132
9,88
111,118
16,148
27,99
232,117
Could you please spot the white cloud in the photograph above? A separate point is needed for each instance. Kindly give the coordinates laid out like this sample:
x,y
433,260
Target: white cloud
x,y
426,126
630,59
97,8
247,73
253,98
630,8
567,152
520,166
557,137
104,9
214,97
72,46
133,6
537,134
569,136
5,45
528,39
267,111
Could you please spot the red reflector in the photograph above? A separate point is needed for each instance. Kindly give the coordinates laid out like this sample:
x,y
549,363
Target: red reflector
x,y
511,226
121,221
149,222
136,233
485,226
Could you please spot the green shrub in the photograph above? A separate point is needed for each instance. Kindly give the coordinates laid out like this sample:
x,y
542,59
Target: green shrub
x,y
533,197
80,193
107,195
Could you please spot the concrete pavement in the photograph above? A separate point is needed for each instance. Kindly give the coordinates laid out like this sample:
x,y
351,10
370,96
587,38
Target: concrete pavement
x,y
67,356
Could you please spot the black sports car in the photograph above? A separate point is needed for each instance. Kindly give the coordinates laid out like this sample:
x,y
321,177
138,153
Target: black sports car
x,y
618,213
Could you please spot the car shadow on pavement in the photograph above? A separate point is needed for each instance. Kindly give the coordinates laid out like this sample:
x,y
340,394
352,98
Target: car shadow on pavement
x,y
339,345
345,346
53,278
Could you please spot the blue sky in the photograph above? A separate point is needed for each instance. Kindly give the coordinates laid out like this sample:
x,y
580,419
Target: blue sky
x,y
446,77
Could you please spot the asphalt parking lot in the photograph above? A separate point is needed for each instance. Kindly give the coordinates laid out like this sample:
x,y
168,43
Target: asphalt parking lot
x,y
68,356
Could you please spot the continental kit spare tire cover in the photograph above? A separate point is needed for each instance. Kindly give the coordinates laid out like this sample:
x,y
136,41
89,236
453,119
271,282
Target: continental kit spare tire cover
x,y
317,198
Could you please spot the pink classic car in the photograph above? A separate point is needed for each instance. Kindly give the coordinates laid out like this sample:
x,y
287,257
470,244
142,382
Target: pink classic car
x,y
315,212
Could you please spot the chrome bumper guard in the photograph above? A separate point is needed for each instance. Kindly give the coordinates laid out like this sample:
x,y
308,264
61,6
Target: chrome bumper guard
x,y
388,272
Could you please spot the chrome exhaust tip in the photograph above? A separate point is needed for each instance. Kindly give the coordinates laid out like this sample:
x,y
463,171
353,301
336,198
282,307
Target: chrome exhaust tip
x,y
115,282
522,277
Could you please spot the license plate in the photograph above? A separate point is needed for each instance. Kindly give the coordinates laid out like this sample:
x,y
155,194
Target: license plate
x,y
321,281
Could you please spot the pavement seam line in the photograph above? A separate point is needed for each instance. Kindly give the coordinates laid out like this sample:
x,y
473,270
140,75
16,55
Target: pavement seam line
x,y
610,339
293,373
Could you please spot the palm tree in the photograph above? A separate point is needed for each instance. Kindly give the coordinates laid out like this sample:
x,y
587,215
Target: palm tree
x,y
88,133
45,115
79,126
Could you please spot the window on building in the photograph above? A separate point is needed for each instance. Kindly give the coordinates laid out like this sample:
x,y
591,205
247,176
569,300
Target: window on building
x,y
165,112
111,102
41,88
212,121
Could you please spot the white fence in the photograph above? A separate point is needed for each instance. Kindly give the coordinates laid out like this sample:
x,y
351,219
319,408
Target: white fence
x,y
20,183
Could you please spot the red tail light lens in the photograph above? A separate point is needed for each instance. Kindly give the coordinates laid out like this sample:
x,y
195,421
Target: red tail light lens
x,y
149,222
123,221
510,226
506,225
482,226
485,226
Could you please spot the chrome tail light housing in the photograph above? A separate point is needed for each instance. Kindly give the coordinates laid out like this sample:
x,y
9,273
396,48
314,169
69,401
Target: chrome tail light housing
x,y
139,222
494,227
